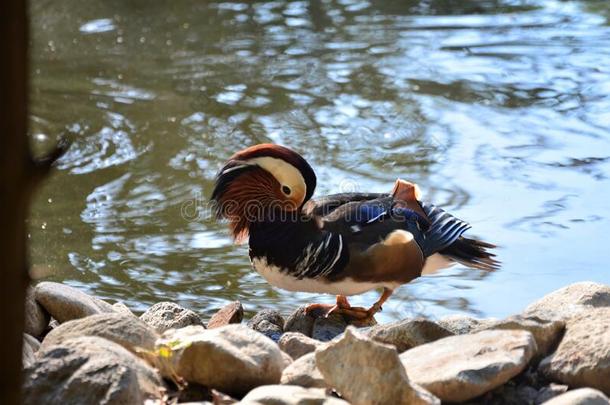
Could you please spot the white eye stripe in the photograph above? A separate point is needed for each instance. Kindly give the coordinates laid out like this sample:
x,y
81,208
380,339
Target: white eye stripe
x,y
285,173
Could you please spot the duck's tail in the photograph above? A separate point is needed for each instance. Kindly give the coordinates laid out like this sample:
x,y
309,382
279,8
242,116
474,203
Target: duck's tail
x,y
444,236
472,253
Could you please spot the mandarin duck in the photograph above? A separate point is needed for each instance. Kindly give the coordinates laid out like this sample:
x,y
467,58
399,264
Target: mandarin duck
x,y
342,244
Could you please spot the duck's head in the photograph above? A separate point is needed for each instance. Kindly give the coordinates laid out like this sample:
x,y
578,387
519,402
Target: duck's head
x,y
259,181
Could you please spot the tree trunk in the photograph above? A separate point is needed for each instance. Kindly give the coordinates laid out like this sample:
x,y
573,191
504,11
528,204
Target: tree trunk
x,y
14,194
19,174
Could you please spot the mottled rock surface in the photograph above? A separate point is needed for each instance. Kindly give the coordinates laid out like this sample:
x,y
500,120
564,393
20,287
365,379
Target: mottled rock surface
x,y
367,372
459,368
269,322
296,344
582,359
300,322
120,328
326,329
65,303
289,395
89,370
304,372
570,301
461,324
169,315
582,396
407,334
546,332
233,312
36,318
233,359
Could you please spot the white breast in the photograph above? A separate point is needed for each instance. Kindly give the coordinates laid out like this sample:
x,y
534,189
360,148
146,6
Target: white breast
x,y
282,279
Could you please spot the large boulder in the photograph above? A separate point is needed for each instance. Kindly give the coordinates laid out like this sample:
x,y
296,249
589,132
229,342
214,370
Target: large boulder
x,y
296,344
90,370
233,312
65,303
126,330
546,332
367,372
582,396
289,395
570,301
459,368
407,334
304,372
582,359
36,318
168,315
233,359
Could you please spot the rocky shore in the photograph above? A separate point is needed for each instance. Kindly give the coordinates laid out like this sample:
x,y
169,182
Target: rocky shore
x,y
79,349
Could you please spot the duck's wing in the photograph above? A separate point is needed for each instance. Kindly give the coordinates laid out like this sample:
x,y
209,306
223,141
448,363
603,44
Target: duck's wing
x,y
323,206
372,225
384,240
447,235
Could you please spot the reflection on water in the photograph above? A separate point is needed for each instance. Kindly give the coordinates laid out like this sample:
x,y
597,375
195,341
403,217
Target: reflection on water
x,y
498,109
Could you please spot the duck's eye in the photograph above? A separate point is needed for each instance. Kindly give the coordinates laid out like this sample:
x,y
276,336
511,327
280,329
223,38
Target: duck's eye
x,y
286,190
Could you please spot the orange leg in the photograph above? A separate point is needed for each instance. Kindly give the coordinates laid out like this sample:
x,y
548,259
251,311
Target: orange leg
x,y
325,310
343,307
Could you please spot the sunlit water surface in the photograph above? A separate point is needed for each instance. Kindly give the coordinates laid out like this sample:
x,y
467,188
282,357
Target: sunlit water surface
x,y
500,110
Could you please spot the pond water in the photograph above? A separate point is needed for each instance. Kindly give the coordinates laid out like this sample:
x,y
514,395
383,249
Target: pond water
x,y
500,110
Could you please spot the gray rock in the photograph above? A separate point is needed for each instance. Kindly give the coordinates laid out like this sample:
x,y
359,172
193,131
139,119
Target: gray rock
x,y
89,370
326,329
30,347
300,322
168,315
407,334
519,391
582,359
582,396
459,368
121,308
271,330
304,373
367,372
511,394
289,395
230,313
546,332
233,359
125,330
65,303
462,325
570,301
36,318
549,392
296,344
269,322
